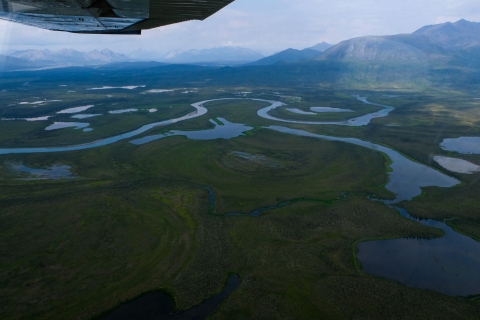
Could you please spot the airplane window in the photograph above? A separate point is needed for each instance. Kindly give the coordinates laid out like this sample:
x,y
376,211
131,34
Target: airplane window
x,y
221,159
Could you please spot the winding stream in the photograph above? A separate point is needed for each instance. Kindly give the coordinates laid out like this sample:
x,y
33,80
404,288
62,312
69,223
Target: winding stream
x,y
449,264
354,122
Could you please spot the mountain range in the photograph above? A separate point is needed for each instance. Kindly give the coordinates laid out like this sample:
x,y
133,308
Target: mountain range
x,y
69,57
456,44
293,55
222,54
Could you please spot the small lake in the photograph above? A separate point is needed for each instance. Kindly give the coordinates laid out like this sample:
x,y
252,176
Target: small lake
x,y
39,102
124,87
328,109
85,116
200,110
158,306
298,111
44,118
122,111
62,125
75,109
227,130
457,165
159,90
354,122
54,172
466,145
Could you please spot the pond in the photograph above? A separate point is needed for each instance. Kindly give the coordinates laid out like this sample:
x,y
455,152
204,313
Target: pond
x,y
199,111
62,125
85,116
122,111
457,165
466,145
44,118
75,109
124,87
329,109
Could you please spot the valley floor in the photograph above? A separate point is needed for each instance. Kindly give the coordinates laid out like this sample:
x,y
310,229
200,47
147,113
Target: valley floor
x,y
137,218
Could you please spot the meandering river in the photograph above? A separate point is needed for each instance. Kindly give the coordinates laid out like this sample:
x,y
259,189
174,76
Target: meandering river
x,y
449,264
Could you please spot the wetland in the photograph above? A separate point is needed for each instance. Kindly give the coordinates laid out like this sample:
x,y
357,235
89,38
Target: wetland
x,y
316,213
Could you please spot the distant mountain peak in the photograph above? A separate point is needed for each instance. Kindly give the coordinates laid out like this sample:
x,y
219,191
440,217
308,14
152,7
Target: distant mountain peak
x,y
219,54
289,55
323,46
463,21
70,57
440,42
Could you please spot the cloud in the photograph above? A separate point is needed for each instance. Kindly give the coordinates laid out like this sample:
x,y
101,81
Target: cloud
x,y
264,25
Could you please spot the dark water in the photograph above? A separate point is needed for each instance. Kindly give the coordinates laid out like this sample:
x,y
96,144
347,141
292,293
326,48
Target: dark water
x,y
158,306
450,264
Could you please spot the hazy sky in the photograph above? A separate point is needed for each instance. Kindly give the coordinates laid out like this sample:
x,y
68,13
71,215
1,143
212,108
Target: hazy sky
x,y
264,25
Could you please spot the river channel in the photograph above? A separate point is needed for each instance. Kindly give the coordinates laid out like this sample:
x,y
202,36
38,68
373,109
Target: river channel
x,y
449,264
157,305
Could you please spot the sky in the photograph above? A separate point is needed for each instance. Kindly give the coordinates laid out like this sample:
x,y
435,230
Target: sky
x,y
267,26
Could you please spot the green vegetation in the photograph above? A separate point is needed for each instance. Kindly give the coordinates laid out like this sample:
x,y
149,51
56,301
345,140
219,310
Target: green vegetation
x,y
137,217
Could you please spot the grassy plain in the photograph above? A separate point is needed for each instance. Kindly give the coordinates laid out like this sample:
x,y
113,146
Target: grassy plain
x,y
136,218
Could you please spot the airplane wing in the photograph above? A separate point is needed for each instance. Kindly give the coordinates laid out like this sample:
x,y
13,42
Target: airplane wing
x,y
106,16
